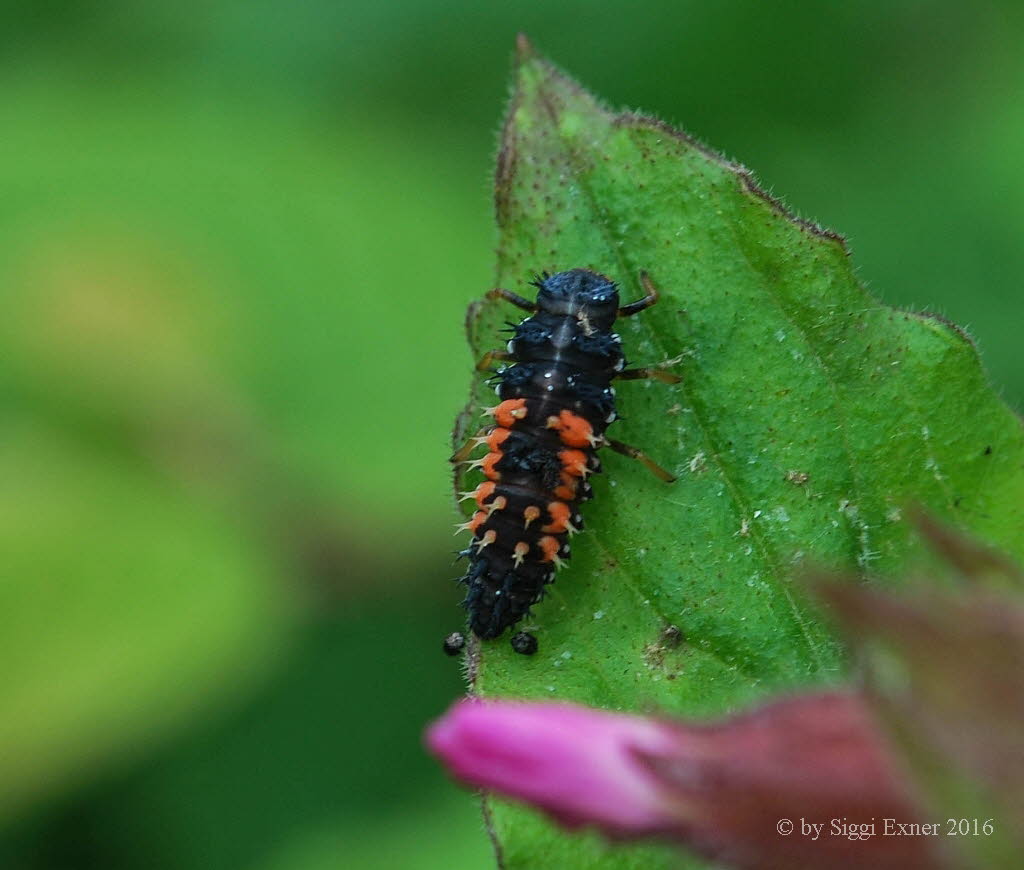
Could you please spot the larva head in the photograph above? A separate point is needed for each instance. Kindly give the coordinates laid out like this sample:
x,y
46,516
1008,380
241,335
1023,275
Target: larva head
x,y
580,292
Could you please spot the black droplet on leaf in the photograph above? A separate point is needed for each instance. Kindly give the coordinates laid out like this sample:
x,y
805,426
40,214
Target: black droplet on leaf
x,y
524,643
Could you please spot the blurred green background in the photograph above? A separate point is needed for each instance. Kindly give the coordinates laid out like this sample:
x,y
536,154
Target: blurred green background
x,y
236,243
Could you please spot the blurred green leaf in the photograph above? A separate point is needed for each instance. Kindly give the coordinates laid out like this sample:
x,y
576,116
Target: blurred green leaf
x,y
127,606
202,318
809,416
247,257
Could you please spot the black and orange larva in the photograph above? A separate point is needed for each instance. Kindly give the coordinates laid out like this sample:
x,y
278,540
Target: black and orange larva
x,y
555,403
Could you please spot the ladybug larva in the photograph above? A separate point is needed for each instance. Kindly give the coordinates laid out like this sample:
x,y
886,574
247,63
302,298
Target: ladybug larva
x,y
555,403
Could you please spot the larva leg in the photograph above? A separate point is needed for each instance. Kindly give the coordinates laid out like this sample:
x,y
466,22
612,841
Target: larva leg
x,y
638,454
485,361
654,374
641,304
514,298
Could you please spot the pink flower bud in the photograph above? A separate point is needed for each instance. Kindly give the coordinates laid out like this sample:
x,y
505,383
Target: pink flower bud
x,y
745,791
580,765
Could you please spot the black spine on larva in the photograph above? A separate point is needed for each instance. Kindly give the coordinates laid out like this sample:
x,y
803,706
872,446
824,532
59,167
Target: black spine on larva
x,y
564,358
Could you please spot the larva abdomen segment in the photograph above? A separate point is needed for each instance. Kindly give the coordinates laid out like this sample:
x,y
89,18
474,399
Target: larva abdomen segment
x,y
518,542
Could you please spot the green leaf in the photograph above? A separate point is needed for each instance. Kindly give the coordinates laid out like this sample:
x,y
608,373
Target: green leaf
x,y
809,417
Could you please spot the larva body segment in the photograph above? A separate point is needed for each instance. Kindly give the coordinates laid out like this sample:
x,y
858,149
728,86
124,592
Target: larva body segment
x,y
556,400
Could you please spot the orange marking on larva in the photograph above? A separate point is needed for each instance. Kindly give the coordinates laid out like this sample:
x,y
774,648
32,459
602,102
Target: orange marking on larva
x,y
573,429
549,547
499,504
473,524
520,552
490,536
530,513
574,462
567,490
495,439
488,463
484,491
509,411
559,513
